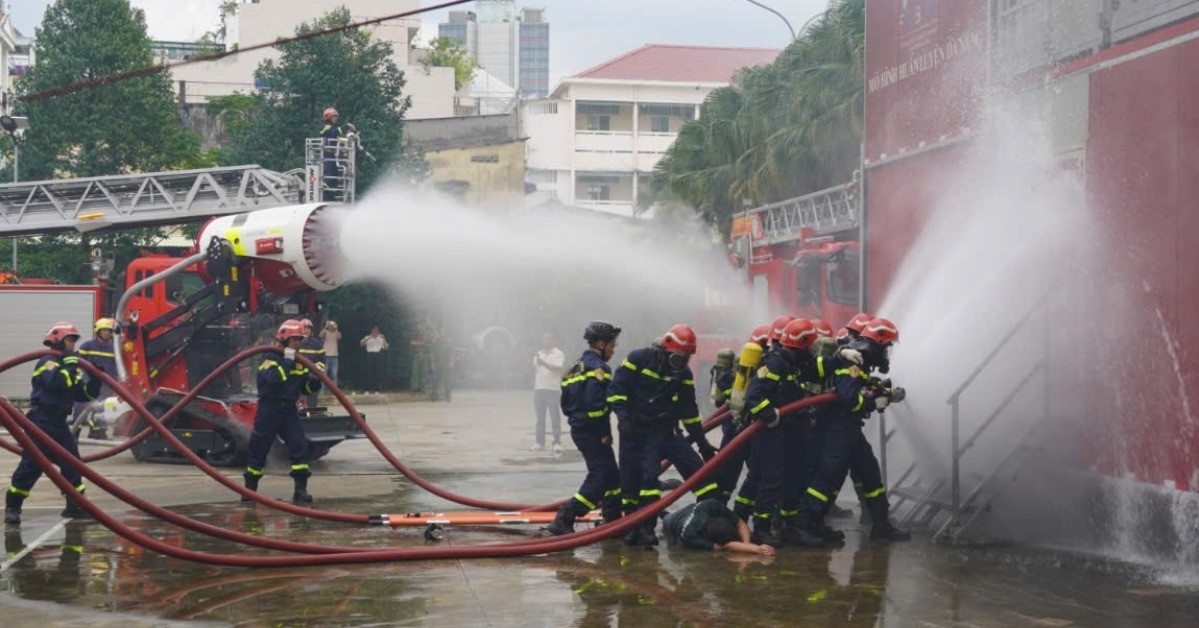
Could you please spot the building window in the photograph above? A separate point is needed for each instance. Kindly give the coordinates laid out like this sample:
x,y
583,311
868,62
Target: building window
x,y
543,108
659,124
485,159
599,192
598,123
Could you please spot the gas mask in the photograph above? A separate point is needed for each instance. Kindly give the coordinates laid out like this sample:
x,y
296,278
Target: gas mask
x,y
677,361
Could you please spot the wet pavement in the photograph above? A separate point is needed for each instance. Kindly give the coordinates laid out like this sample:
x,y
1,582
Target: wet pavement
x,y
478,446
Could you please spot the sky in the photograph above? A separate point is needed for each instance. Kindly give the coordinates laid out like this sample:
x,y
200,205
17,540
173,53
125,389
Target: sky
x,y
583,33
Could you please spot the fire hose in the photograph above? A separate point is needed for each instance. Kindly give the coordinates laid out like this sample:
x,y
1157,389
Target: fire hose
x,y
156,425
16,424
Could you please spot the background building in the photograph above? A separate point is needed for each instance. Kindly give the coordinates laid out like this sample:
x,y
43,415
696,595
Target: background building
x,y
595,141
477,159
431,89
512,44
14,55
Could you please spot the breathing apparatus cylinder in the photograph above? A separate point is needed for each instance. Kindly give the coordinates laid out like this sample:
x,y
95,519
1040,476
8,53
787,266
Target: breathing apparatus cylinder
x,y
747,364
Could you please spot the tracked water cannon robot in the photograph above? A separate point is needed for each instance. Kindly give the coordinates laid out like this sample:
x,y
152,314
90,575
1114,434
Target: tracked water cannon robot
x,y
181,317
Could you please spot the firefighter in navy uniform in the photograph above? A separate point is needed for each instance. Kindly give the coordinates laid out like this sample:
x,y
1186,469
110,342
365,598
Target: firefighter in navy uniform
x,y
585,404
58,383
651,391
841,425
747,495
280,384
331,132
862,460
730,473
99,351
775,453
313,348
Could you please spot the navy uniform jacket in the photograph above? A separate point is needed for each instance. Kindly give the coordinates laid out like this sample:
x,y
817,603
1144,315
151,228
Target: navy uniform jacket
x,y
282,381
313,348
777,383
642,390
101,354
585,393
58,384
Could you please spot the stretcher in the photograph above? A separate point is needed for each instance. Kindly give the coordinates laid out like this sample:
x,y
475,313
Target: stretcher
x,y
433,522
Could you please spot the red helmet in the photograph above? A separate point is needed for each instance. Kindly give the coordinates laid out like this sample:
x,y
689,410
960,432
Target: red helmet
x,y
799,334
291,328
881,331
760,335
330,113
305,322
680,339
779,324
859,322
60,331
822,327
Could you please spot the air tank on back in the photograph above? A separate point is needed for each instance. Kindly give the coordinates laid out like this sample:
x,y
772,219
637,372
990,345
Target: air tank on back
x,y
293,247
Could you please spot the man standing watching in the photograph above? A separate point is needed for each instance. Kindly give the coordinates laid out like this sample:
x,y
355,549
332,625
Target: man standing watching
x,y
375,344
548,365
331,335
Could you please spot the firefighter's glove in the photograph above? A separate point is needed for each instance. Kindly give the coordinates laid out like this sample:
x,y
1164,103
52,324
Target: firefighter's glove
x,y
880,403
853,356
813,388
289,354
769,416
706,450
898,394
606,439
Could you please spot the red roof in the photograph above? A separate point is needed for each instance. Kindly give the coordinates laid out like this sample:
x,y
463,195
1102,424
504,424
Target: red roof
x,y
681,64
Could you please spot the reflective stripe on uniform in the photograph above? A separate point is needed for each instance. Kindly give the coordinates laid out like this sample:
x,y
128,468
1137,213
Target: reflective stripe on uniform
x,y
269,363
598,414
18,491
615,398
766,373
628,501
253,471
758,408
744,500
303,466
693,420
859,404
874,493
583,500
699,492
612,492
817,494
101,354
651,492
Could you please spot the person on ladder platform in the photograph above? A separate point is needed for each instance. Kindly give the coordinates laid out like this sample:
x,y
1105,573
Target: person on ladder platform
x,y
651,391
841,425
280,384
774,451
58,383
585,404
313,348
332,184
99,351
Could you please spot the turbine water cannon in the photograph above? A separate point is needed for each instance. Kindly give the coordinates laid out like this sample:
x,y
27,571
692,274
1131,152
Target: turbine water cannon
x,y
294,247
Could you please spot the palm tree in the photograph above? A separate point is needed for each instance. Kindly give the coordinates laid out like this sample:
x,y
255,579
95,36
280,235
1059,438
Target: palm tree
x,y
778,131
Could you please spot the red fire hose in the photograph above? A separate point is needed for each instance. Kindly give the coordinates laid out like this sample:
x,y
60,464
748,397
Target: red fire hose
x,y
536,546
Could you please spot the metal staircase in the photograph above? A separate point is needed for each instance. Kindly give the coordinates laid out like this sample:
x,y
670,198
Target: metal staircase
x,y
933,501
142,199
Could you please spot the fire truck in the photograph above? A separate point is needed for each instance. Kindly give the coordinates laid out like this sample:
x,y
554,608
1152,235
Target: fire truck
x,y
267,248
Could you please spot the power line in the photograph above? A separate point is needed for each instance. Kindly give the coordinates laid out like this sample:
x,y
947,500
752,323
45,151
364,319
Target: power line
x,y
101,81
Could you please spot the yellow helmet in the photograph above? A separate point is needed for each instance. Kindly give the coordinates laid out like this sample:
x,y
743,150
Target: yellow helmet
x,y
106,323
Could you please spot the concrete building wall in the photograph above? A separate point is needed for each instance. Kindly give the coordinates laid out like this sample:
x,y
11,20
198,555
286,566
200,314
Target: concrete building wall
x,y
480,175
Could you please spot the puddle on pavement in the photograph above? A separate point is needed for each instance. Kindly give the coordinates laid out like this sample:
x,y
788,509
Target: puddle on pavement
x,y
601,585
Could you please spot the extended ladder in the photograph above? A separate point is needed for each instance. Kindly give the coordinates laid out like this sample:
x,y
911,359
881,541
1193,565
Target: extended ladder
x,y
833,209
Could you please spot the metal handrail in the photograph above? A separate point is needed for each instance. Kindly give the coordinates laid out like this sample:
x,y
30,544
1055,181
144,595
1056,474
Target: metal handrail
x,y
999,347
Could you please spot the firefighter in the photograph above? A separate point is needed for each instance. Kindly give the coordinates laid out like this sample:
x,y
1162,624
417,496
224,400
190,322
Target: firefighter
x,y
863,456
730,473
774,455
650,393
765,337
99,351
313,348
58,383
840,425
585,404
874,345
280,384
331,132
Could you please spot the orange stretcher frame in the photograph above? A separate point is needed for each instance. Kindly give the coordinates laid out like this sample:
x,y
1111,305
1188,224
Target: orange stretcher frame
x,y
475,517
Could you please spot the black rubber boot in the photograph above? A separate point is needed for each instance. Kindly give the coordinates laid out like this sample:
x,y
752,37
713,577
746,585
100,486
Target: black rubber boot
x,y
768,531
300,494
252,484
12,507
803,531
864,513
881,528
98,434
74,511
649,538
837,512
564,521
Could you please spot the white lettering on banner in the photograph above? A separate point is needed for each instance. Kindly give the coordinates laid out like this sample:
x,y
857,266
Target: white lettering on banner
x,y
928,59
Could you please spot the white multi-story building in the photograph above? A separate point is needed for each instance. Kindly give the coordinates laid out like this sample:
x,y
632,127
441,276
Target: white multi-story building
x,y
14,56
512,44
431,89
595,141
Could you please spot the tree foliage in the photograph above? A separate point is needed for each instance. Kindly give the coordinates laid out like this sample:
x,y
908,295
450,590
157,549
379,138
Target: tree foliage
x,y
348,70
128,126
780,130
447,53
